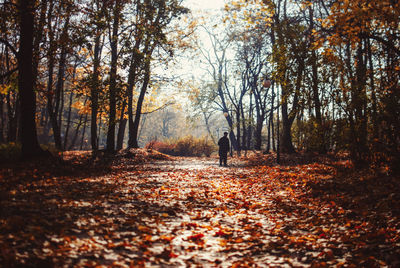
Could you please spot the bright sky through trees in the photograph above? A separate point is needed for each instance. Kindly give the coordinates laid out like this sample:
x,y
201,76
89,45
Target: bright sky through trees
x,y
205,4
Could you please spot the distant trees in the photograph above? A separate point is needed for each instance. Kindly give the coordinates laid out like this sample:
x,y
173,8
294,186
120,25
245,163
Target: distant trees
x,y
90,64
77,73
336,67
218,69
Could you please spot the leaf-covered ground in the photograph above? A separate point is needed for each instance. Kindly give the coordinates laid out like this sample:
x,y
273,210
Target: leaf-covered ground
x,y
145,209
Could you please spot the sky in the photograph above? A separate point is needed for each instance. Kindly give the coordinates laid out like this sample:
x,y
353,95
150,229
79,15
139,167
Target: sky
x,y
205,4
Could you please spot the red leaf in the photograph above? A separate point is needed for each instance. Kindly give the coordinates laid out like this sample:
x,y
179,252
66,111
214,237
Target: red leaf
x,y
196,237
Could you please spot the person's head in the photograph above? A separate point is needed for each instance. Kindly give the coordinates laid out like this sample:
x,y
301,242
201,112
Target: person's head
x,y
225,134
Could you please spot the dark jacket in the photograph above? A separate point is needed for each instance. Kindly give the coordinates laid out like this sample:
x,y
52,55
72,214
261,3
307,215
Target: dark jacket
x,y
223,144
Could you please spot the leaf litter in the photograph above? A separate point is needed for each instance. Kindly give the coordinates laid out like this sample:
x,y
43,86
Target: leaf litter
x,y
142,208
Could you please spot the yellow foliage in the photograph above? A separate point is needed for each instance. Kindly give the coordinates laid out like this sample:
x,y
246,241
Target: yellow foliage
x,y
5,89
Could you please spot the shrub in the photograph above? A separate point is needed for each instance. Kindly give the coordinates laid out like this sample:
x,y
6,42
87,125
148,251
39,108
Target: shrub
x,y
204,147
160,146
186,146
10,151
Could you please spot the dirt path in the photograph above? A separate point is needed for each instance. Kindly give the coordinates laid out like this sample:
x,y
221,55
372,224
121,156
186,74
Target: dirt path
x,y
205,210
185,212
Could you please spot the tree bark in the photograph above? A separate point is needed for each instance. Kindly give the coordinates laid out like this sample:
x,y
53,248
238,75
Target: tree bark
x,y
122,127
94,93
68,121
113,77
315,90
83,132
135,129
29,141
2,140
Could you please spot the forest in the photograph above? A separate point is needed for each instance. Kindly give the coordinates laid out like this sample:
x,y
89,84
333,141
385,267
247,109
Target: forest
x,y
331,68
111,112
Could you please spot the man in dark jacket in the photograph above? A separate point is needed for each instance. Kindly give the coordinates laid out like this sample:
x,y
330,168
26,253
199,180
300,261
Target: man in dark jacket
x,y
223,144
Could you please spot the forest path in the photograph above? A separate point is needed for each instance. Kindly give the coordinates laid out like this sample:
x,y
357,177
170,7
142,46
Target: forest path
x,y
190,212
209,221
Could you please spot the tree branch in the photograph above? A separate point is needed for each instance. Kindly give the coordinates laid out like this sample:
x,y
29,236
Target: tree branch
x,y
7,44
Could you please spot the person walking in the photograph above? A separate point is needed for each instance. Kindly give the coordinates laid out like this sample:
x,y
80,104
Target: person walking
x,y
223,144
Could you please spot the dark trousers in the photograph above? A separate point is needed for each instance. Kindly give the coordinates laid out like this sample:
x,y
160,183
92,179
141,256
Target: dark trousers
x,y
223,157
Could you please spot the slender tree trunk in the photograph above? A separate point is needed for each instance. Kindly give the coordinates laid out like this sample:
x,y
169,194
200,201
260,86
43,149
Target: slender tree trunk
x,y
99,131
2,119
287,119
2,139
238,131
29,141
268,149
94,94
139,105
83,132
71,97
361,107
244,134
60,87
374,108
51,109
250,126
68,121
121,133
131,83
271,123
286,141
122,127
53,96
315,90
113,78
259,123
232,137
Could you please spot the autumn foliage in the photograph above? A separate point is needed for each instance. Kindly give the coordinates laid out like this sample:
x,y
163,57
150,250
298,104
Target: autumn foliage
x,y
82,74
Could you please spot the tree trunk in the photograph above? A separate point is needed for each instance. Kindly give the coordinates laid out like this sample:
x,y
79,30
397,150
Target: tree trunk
x,y
94,93
121,128
29,141
71,97
68,121
113,77
259,122
271,124
134,135
315,82
244,134
287,119
286,142
78,126
2,140
121,133
250,126
83,132
258,132
52,95
135,60
359,101
238,131
374,107
50,108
